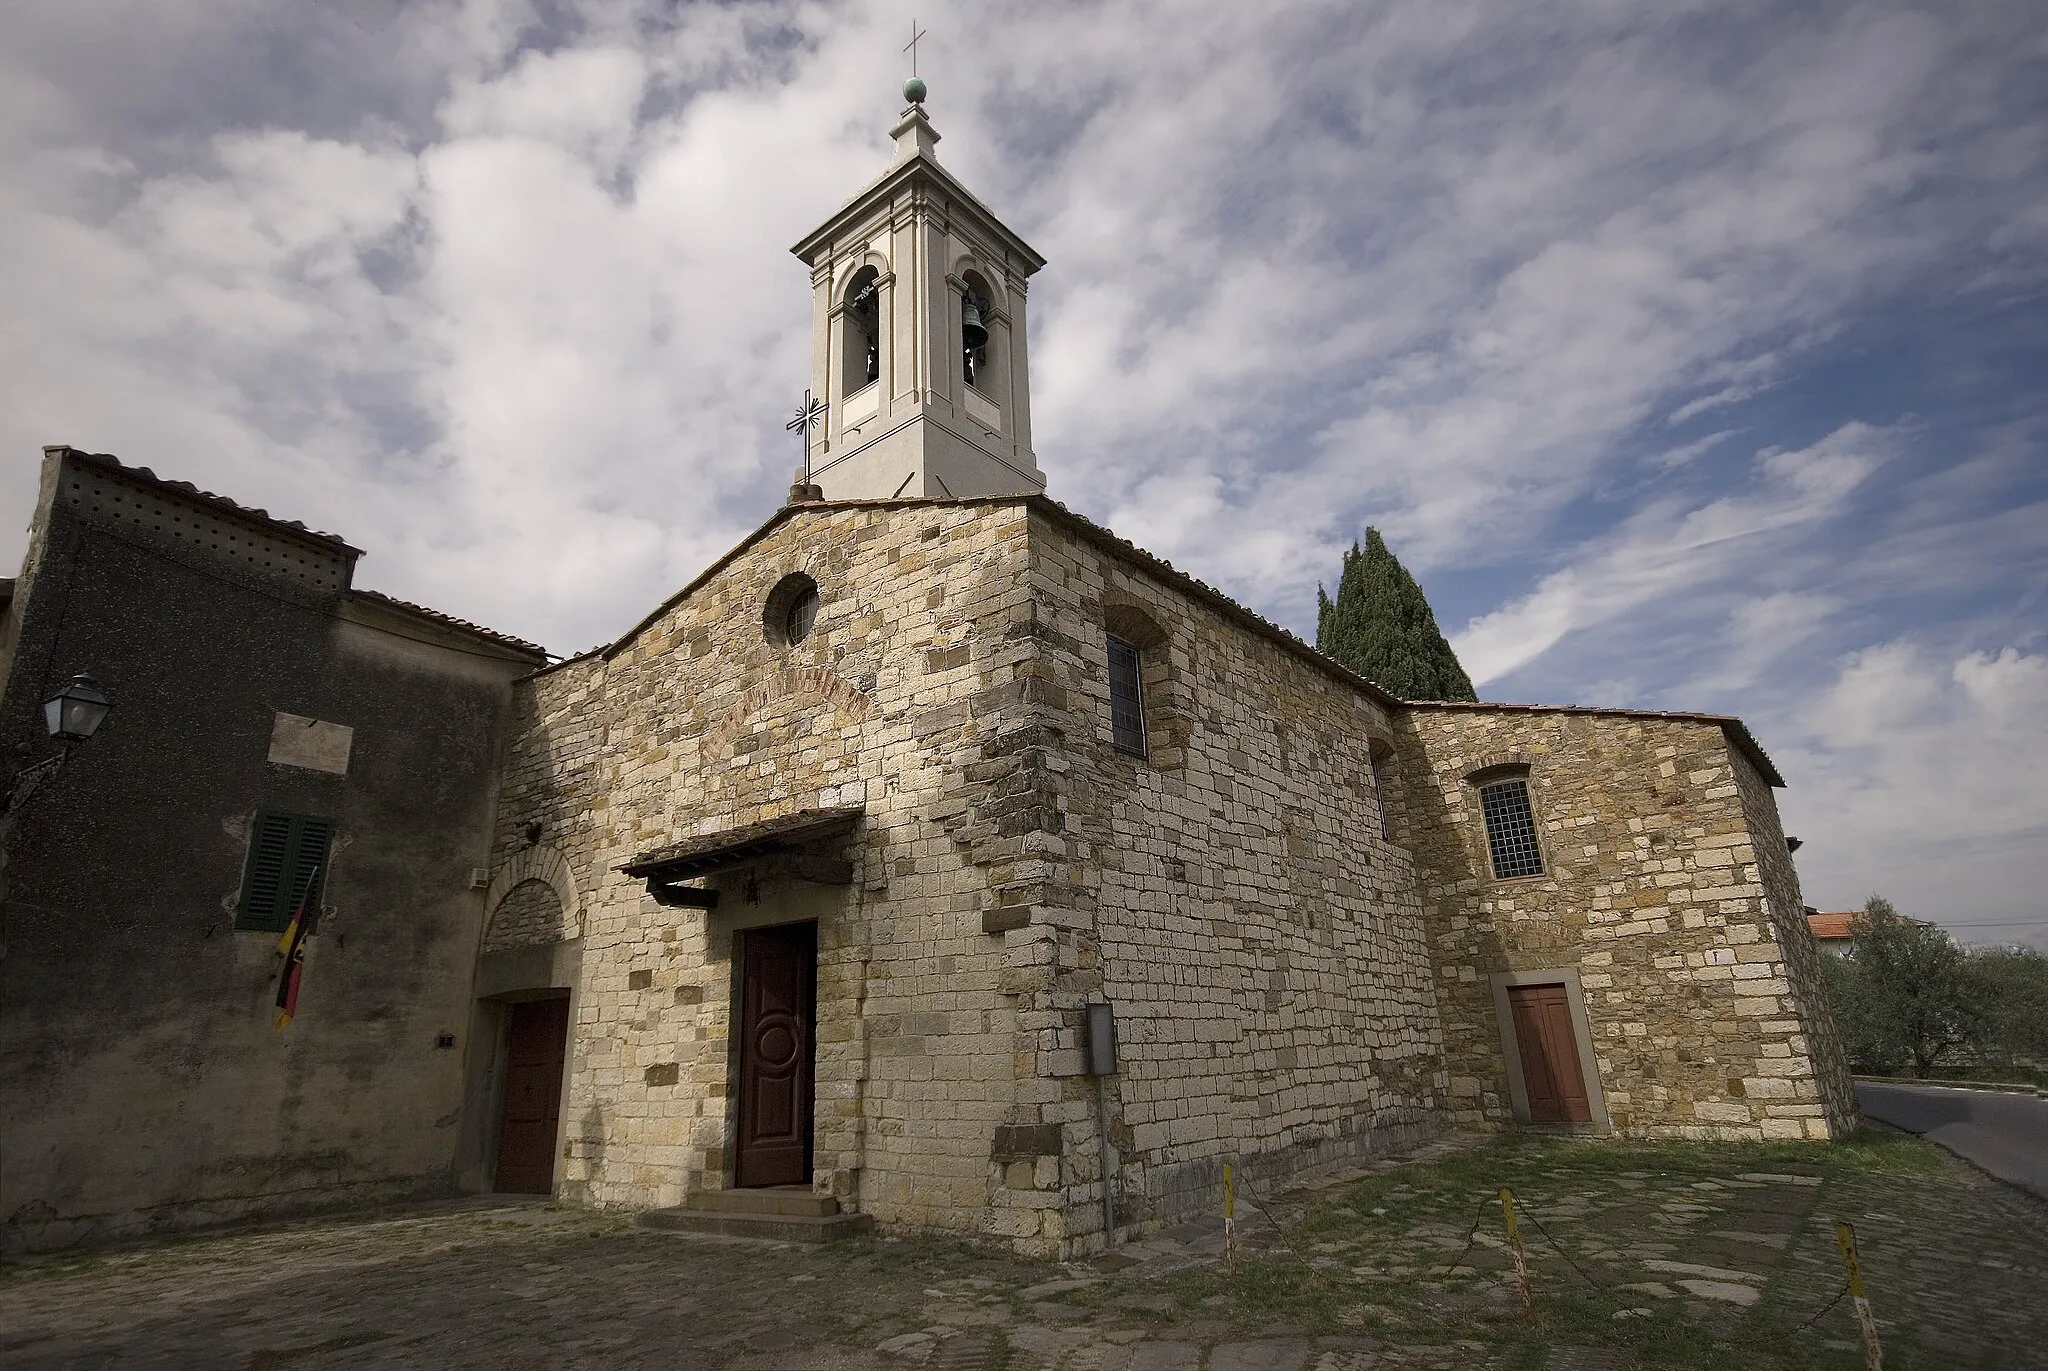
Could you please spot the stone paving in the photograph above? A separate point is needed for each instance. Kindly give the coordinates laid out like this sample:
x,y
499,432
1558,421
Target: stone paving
x,y
1690,1262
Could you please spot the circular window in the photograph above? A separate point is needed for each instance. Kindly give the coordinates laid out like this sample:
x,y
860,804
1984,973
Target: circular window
x,y
802,614
791,611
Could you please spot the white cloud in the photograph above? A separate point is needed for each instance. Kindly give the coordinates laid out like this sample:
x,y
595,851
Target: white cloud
x,y
1922,778
500,291
1426,265
1665,551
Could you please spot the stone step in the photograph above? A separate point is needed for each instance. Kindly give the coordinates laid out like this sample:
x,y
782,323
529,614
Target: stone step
x,y
774,1199
774,1227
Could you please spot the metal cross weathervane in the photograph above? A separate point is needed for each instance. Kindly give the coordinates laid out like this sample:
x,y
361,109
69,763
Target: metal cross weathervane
x,y
806,422
916,34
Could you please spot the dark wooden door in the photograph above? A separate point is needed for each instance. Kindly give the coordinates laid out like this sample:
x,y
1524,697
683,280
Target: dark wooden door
x,y
534,1048
1550,1054
778,986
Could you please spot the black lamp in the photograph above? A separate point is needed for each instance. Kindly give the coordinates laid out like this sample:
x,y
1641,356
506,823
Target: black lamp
x,y
76,712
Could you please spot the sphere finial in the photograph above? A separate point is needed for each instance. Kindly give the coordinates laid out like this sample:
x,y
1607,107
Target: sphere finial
x,y
914,90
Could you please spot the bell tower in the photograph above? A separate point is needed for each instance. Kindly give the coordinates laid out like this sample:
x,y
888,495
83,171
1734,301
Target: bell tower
x,y
917,336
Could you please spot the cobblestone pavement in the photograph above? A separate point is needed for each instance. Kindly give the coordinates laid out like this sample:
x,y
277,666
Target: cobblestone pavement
x,y
1640,1256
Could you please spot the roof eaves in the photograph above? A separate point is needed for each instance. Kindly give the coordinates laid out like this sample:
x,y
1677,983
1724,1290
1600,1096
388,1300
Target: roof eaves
x,y
773,522
1121,547
219,504
1737,731
435,616
707,852
806,247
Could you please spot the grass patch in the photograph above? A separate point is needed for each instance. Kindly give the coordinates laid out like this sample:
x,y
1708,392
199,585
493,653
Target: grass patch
x,y
1416,1254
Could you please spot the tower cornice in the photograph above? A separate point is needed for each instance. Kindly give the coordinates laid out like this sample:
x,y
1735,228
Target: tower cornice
x,y
918,172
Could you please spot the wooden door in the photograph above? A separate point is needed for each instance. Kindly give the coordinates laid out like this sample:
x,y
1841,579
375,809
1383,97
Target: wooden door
x,y
778,984
534,1048
1550,1054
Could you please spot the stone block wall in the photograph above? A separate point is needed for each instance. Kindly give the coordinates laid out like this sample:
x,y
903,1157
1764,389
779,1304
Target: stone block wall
x,y
910,697
1230,894
1818,1048
1660,888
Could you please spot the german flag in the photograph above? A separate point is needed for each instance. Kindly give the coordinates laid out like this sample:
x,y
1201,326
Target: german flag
x,y
292,947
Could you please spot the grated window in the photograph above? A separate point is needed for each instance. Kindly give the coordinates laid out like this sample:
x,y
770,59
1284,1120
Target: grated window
x,y
1126,698
1511,828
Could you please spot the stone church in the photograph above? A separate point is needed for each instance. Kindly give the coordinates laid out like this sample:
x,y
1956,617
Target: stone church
x,y
939,859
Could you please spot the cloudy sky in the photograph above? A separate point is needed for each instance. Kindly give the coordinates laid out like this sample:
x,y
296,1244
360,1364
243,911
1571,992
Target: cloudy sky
x,y
1692,354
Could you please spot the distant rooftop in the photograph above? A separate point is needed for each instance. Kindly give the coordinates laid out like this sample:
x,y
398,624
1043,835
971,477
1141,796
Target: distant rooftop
x,y
1829,926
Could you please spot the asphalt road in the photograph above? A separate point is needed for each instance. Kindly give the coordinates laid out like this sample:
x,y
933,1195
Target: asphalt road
x,y
2005,1133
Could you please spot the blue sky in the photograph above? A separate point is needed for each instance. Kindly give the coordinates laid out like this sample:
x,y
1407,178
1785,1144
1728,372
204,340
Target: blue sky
x,y
1691,354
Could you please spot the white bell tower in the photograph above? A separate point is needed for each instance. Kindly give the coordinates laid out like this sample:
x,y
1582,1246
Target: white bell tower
x,y
917,336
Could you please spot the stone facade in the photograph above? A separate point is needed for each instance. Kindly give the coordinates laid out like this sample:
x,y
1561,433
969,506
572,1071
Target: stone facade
x,y
1666,890
1294,980
699,722
1271,979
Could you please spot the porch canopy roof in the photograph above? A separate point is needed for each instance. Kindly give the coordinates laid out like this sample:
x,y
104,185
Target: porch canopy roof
x,y
732,847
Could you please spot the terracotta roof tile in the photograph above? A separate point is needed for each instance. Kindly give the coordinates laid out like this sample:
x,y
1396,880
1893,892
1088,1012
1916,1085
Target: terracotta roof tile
x,y
450,621
220,503
1832,925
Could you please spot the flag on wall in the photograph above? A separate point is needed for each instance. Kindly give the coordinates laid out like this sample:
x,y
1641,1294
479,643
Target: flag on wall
x,y
292,947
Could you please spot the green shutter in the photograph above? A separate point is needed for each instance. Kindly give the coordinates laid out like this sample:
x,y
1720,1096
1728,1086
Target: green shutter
x,y
285,852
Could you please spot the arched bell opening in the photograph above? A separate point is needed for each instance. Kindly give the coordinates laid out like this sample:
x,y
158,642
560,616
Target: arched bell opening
x,y
860,342
974,328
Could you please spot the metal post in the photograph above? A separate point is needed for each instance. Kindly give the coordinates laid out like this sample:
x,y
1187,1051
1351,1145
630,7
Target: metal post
x,y
1108,1172
1230,1215
1507,1209
1873,1354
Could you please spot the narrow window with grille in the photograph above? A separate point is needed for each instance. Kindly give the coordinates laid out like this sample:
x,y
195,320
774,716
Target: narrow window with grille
x,y
1510,828
287,864
1126,698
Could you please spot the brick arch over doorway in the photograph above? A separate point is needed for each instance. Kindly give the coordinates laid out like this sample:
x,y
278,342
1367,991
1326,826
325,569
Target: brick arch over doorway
x,y
512,904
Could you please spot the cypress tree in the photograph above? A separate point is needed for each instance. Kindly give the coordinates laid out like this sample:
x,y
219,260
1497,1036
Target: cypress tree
x,y
1380,625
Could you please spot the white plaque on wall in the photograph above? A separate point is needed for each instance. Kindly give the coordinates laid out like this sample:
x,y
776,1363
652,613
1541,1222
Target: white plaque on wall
x,y
311,743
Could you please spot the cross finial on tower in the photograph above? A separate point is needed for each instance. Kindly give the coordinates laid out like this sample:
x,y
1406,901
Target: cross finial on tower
x,y
804,425
914,88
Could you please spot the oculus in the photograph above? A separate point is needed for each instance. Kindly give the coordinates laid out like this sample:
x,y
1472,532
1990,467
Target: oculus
x,y
792,610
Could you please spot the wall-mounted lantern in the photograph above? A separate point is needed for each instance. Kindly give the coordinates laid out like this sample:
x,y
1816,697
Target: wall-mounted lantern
x,y
72,715
76,712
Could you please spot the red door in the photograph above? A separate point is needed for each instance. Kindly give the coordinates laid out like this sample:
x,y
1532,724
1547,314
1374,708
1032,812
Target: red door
x,y
1550,1054
778,982
534,1049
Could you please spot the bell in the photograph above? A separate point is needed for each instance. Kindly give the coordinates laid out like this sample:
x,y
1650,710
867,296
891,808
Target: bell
x,y
972,331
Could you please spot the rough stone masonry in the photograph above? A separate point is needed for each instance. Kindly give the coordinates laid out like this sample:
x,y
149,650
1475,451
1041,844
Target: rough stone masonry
x,y
1295,980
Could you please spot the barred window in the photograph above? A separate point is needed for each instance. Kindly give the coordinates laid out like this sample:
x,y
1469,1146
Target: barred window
x,y
1126,698
1510,828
